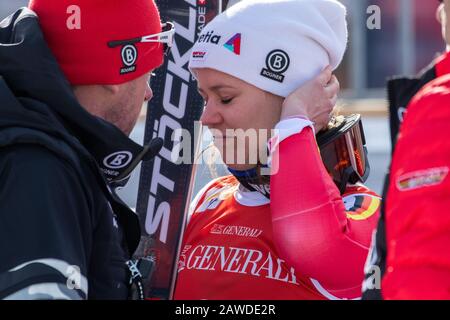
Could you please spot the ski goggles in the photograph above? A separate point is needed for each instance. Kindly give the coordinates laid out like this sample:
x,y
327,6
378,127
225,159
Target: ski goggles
x,y
344,153
165,37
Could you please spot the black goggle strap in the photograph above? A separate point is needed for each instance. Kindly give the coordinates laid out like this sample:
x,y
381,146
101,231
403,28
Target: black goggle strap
x,y
345,179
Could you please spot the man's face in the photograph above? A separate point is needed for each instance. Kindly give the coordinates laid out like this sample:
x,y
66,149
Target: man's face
x,y
119,104
443,14
127,104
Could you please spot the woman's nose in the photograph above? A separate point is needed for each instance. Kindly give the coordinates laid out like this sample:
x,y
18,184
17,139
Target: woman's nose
x,y
210,116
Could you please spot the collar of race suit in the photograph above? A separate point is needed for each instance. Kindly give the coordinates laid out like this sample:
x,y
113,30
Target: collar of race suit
x,y
253,181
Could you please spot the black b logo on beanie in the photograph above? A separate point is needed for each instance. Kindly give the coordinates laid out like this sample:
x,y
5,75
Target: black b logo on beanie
x,y
277,62
129,56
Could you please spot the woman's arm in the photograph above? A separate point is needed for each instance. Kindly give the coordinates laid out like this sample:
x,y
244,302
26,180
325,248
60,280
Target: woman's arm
x,y
313,230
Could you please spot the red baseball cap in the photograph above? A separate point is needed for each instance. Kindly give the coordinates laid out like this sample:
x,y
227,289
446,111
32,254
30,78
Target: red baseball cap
x,y
80,33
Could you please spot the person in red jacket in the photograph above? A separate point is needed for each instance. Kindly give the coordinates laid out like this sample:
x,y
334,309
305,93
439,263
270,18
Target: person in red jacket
x,y
293,236
401,90
417,223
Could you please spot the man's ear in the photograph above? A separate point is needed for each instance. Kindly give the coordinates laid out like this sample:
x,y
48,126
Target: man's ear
x,y
112,88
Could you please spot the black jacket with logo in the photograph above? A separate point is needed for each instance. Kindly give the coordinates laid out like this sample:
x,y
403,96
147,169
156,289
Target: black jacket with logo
x,y
64,234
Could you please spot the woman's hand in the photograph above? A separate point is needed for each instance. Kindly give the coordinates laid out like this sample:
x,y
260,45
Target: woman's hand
x,y
314,100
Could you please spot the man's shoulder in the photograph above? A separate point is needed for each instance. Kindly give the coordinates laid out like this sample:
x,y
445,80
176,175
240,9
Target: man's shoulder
x,y
47,145
428,115
37,180
31,166
430,99
32,156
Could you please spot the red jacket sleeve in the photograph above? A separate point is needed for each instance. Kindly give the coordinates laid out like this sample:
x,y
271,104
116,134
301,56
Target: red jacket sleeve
x,y
313,230
418,201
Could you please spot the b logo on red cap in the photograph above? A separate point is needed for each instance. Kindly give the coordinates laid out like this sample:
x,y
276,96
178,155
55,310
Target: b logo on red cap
x,y
129,56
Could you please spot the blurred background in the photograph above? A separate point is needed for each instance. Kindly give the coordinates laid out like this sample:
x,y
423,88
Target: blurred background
x,y
409,38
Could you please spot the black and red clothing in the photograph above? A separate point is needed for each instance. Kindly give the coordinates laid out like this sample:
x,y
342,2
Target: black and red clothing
x,y
421,147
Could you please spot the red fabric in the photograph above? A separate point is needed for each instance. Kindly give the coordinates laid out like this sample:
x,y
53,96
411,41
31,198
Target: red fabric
x,y
83,54
230,249
443,64
417,210
311,228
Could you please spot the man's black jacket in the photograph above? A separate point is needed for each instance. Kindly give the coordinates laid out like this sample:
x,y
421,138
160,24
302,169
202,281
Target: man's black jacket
x,y
58,214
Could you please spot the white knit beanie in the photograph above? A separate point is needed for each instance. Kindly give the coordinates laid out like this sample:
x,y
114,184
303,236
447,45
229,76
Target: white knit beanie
x,y
275,45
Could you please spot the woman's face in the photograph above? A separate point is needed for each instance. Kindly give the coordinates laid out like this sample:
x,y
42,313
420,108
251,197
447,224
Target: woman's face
x,y
443,15
239,115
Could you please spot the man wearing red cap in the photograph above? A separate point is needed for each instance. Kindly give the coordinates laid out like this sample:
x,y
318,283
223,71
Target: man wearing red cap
x,y
110,80
69,96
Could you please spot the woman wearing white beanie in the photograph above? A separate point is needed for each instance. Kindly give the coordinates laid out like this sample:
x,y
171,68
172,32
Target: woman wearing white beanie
x,y
297,238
